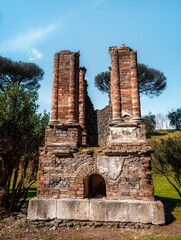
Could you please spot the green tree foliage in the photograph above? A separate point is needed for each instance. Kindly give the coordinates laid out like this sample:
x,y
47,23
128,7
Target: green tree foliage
x,y
175,118
151,81
21,134
150,124
25,74
102,80
166,160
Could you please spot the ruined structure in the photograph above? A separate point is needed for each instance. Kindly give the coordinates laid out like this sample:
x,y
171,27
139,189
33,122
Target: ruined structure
x,y
109,182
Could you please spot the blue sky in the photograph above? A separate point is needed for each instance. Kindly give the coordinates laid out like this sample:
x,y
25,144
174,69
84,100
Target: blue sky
x,y
32,31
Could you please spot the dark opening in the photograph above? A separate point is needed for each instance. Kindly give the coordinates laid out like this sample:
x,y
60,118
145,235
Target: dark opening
x,y
95,186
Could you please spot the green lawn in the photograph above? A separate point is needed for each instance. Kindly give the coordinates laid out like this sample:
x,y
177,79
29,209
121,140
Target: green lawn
x,y
165,134
163,188
33,191
165,192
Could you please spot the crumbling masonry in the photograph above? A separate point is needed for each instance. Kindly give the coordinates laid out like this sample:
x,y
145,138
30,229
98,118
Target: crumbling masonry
x,y
110,181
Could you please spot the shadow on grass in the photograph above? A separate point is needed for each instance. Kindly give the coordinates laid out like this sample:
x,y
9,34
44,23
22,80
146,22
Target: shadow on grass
x,y
160,134
169,205
156,134
32,194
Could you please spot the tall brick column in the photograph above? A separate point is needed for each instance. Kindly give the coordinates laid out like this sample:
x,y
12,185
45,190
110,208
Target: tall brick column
x,y
124,91
54,108
115,85
65,92
65,129
126,125
135,88
82,72
72,90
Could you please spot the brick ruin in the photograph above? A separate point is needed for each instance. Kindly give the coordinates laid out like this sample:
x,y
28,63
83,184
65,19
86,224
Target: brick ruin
x,y
95,165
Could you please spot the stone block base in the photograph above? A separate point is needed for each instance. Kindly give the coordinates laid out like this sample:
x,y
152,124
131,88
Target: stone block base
x,y
97,210
127,133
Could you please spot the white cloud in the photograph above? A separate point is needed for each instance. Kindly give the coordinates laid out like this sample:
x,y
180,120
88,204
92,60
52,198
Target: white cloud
x,y
34,54
26,40
98,2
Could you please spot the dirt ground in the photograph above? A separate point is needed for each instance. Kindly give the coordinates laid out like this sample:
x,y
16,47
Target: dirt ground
x,y
14,228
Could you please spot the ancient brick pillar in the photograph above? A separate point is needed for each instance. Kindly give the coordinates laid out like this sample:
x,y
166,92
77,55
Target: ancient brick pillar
x,y
115,85
72,90
64,128
65,87
124,94
54,109
82,72
124,84
134,85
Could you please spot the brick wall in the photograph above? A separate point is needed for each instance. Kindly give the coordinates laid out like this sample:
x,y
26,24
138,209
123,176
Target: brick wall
x,y
90,121
103,120
64,177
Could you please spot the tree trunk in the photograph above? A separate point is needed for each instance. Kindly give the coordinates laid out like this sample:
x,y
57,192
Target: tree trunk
x,y
3,195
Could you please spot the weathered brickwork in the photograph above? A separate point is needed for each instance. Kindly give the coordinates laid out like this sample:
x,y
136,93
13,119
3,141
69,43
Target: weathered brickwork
x,y
65,87
126,125
103,129
121,163
92,154
124,84
82,91
127,177
90,122
67,124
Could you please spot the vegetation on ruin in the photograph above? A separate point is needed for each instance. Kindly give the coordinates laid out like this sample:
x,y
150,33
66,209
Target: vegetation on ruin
x,y
151,81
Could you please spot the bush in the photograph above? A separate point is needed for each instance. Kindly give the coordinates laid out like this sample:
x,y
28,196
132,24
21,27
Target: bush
x,y
166,160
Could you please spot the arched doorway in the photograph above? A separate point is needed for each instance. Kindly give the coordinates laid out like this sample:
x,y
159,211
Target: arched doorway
x,y
95,186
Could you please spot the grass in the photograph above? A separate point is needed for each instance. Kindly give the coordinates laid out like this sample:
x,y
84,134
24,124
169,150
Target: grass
x,y
32,191
166,193
159,134
153,238
48,238
171,238
163,188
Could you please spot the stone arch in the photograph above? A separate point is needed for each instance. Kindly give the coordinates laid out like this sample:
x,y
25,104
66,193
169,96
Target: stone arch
x,y
85,170
94,186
